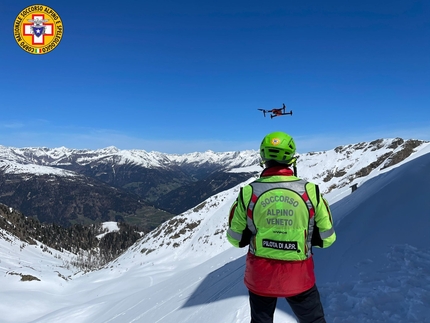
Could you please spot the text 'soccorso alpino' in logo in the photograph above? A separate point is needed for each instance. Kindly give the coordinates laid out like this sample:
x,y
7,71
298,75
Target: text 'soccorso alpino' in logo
x,y
38,29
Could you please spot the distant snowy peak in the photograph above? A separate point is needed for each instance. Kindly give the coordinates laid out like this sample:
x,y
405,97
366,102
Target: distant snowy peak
x,y
58,157
64,156
230,159
343,158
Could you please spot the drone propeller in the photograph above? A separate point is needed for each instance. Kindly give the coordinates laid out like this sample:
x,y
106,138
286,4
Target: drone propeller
x,y
264,111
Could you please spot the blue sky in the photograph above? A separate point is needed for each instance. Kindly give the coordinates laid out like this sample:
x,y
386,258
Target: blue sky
x,y
185,76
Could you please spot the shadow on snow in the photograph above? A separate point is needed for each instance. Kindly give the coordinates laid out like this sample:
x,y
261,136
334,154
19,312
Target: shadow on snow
x,y
224,283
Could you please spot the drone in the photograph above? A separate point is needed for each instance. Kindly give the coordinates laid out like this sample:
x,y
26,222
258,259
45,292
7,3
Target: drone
x,y
277,112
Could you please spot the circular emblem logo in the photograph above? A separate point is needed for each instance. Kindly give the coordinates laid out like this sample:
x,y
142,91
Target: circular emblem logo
x,y
38,29
275,141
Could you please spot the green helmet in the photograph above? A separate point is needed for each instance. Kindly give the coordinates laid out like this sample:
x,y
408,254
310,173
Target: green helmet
x,y
278,146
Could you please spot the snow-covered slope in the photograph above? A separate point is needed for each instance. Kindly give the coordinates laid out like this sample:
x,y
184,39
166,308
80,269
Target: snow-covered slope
x,y
378,271
32,279
348,165
12,167
185,271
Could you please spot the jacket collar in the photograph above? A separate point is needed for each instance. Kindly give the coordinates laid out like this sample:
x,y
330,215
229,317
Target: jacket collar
x,y
277,171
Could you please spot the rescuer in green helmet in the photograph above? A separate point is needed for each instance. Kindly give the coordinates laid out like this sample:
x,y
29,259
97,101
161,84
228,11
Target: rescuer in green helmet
x,y
280,217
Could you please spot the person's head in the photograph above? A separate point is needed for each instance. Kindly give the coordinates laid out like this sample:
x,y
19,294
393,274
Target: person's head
x,y
277,148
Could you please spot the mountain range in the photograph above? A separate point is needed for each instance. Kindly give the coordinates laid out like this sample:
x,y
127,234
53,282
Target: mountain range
x,y
185,270
69,186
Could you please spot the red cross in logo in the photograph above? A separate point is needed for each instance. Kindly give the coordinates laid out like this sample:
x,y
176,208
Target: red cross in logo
x,y
38,29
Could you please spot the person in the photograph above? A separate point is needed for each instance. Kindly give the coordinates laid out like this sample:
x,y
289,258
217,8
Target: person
x,y
280,217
